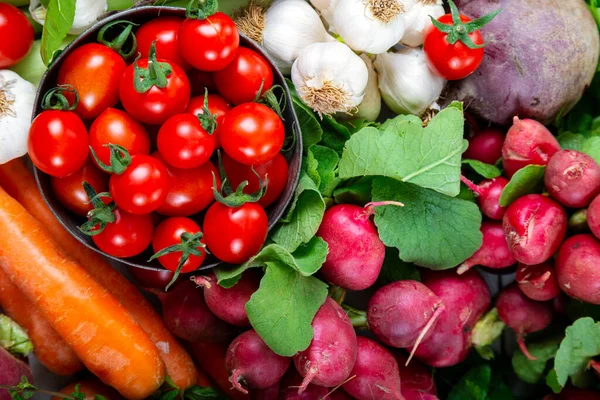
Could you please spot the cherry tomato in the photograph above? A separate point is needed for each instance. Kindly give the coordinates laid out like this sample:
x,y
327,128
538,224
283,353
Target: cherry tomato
x,y
69,190
217,106
209,44
201,80
117,127
148,278
252,133
240,81
128,236
95,71
16,33
183,143
58,142
452,61
157,104
168,233
164,30
190,190
143,186
234,235
276,170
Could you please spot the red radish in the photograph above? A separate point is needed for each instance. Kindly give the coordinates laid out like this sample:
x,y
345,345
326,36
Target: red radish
x,y
535,226
593,216
253,363
560,304
332,353
466,298
572,178
493,253
488,195
11,371
573,393
538,282
151,279
270,393
527,142
485,146
403,313
522,314
376,373
417,381
292,381
577,268
229,304
355,253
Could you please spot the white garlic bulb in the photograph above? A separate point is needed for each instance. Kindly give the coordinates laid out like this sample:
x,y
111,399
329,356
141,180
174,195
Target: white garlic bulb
x,y
87,13
330,77
417,20
370,107
406,83
325,8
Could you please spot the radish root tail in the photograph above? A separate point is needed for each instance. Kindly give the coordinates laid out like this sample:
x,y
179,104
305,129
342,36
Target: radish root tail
x,y
201,281
438,311
307,379
523,347
236,378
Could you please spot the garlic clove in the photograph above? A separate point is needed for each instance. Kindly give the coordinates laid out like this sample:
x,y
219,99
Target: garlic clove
x,y
417,21
87,13
370,107
326,9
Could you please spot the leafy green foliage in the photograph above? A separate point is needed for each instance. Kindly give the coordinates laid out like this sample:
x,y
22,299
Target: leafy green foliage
x,y
326,161
588,144
532,371
486,170
355,191
474,385
394,269
59,19
527,180
312,132
170,391
13,338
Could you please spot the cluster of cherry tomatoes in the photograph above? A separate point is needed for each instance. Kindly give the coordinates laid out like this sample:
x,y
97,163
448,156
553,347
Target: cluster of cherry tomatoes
x,y
126,140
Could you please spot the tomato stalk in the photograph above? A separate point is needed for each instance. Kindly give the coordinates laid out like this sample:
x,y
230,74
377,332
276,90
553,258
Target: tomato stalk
x,y
459,30
101,215
207,119
270,99
54,99
154,75
201,9
238,198
125,39
120,159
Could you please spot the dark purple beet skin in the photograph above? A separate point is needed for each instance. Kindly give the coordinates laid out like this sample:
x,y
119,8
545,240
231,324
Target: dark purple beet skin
x,y
577,268
11,371
572,178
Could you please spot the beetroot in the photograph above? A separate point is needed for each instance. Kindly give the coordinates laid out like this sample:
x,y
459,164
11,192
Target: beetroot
x,y
292,381
229,304
493,253
466,298
11,371
403,313
488,194
522,314
376,372
332,352
538,282
252,362
593,216
485,146
577,268
572,178
535,226
527,142
417,381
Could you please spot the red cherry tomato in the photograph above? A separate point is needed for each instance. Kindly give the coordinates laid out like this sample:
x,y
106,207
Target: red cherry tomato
x,y
16,33
168,233
252,133
58,142
95,71
190,190
165,31
69,190
143,187
117,127
148,278
234,235
217,106
128,236
200,81
276,170
183,142
209,44
157,104
452,61
240,81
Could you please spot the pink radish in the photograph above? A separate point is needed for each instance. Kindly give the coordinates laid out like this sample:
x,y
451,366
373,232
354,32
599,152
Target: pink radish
x,y
527,142
466,298
488,194
535,226
417,381
593,216
538,282
252,362
485,146
493,253
332,353
522,314
577,268
403,313
292,381
375,374
355,253
229,304
572,178
11,371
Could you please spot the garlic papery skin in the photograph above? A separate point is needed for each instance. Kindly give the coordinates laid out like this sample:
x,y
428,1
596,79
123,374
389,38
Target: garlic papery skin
x,y
326,9
291,26
406,83
16,106
87,13
417,21
370,107
369,26
330,78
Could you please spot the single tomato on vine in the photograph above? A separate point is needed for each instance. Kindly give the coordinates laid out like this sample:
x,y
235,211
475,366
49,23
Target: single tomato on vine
x,y
178,245
17,35
70,192
163,30
127,236
217,106
187,141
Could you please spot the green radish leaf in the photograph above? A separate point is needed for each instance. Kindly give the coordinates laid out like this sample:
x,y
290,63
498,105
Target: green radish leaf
x,y
282,309
394,269
466,193
13,338
404,150
202,393
499,391
355,191
312,132
570,141
532,371
588,144
310,166
431,230
474,385
552,381
59,19
327,161
525,181
486,170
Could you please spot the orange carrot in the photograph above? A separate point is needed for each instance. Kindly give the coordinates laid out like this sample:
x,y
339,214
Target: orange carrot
x,y
50,349
90,388
18,182
100,331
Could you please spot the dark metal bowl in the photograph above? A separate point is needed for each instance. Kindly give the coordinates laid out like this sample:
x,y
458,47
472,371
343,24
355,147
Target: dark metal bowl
x,y
140,15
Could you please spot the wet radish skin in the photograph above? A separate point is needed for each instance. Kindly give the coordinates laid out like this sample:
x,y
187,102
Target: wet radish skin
x,y
489,197
577,268
494,252
538,282
572,178
485,146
